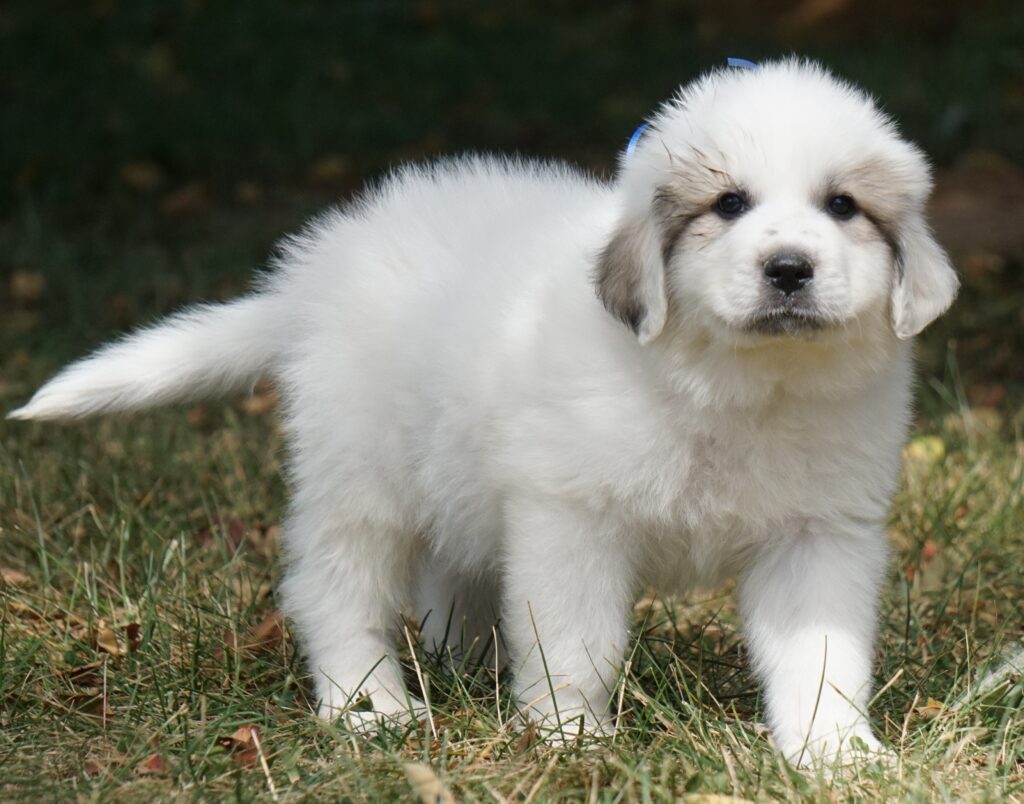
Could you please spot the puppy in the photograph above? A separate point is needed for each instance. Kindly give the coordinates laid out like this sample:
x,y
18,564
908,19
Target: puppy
x,y
512,389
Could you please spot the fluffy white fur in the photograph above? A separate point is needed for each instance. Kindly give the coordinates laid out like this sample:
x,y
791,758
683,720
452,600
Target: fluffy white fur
x,y
475,433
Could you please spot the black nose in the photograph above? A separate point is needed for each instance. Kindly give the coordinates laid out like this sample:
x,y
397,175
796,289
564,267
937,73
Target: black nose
x,y
788,272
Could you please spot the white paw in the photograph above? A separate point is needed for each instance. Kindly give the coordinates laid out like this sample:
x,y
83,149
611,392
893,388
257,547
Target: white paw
x,y
835,751
368,715
370,722
570,729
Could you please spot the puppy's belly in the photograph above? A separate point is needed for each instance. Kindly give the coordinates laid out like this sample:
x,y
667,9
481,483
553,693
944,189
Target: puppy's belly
x,y
464,534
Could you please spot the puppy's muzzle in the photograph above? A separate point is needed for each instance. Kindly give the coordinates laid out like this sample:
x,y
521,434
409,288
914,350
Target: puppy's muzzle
x,y
788,272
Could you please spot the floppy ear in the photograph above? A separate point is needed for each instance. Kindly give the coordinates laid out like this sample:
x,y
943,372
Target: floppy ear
x,y
630,275
925,284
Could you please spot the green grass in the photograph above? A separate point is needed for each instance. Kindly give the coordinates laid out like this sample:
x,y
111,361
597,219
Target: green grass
x,y
160,529
136,619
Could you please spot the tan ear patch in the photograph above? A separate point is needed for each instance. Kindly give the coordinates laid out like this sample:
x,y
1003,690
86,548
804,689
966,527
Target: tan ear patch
x,y
630,274
619,279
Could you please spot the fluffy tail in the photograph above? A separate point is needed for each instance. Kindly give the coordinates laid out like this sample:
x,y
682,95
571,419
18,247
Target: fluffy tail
x,y
202,351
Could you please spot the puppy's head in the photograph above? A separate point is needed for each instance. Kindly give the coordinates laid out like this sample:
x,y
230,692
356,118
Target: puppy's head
x,y
775,202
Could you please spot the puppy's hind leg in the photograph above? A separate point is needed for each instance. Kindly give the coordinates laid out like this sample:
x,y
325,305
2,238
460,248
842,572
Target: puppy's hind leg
x,y
345,586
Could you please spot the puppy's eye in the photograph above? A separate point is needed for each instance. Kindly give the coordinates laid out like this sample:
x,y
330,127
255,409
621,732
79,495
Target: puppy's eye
x,y
842,207
731,205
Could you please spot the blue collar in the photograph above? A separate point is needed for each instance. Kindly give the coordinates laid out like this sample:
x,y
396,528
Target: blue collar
x,y
731,61
631,145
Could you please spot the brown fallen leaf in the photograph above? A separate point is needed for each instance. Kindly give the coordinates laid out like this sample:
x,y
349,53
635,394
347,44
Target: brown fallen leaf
x,y
983,264
232,645
260,403
12,577
931,710
986,395
250,590
133,633
20,320
529,737
187,200
264,637
198,417
232,528
248,192
242,745
21,359
90,702
428,13
106,640
932,570
329,169
27,286
426,784
86,676
141,175
265,539
267,635
97,763
153,765
102,8
339,71
121,310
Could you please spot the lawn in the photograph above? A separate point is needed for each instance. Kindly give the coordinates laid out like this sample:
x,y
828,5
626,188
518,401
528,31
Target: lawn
x,y
153,152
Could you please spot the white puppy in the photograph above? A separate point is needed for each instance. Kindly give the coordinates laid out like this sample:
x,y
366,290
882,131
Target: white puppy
x,y
514,389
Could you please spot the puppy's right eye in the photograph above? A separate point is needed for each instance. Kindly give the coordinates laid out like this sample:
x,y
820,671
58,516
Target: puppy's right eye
x,y
731,205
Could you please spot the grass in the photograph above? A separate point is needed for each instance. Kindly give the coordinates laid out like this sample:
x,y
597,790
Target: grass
x,y
138,632
137,614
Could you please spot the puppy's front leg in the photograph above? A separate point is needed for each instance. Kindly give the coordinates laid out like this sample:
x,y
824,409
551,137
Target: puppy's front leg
x,y
810,605
568,596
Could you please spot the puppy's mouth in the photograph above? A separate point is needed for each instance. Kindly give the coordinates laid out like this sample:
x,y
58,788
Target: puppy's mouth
x,y
788,319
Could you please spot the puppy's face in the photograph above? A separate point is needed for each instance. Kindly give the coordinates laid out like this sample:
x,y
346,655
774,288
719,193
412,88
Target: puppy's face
x,y
778,246
774,203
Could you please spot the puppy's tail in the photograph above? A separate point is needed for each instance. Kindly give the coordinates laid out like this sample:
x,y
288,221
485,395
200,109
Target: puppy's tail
x,y
202,351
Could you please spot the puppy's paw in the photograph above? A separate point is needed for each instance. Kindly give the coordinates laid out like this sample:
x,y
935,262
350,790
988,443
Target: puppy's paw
x,y
571,729
834,752
369,722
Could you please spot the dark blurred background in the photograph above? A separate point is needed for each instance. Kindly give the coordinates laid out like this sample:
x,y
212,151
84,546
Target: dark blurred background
x,y
151,152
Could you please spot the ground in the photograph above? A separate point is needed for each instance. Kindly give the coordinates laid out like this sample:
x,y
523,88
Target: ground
x,y
154,152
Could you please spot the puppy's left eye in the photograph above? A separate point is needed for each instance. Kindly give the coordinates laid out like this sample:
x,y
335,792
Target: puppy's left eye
x,y
842,207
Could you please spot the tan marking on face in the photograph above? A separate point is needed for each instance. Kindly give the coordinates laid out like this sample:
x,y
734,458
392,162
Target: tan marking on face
x,y
696,179
689,194
880,187
885,192
888,193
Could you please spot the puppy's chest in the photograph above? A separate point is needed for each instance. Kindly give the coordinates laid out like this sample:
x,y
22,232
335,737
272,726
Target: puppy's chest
x,y
736,474
717,496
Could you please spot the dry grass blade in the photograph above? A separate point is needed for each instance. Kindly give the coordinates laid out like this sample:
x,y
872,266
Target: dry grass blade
x,y
426,784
